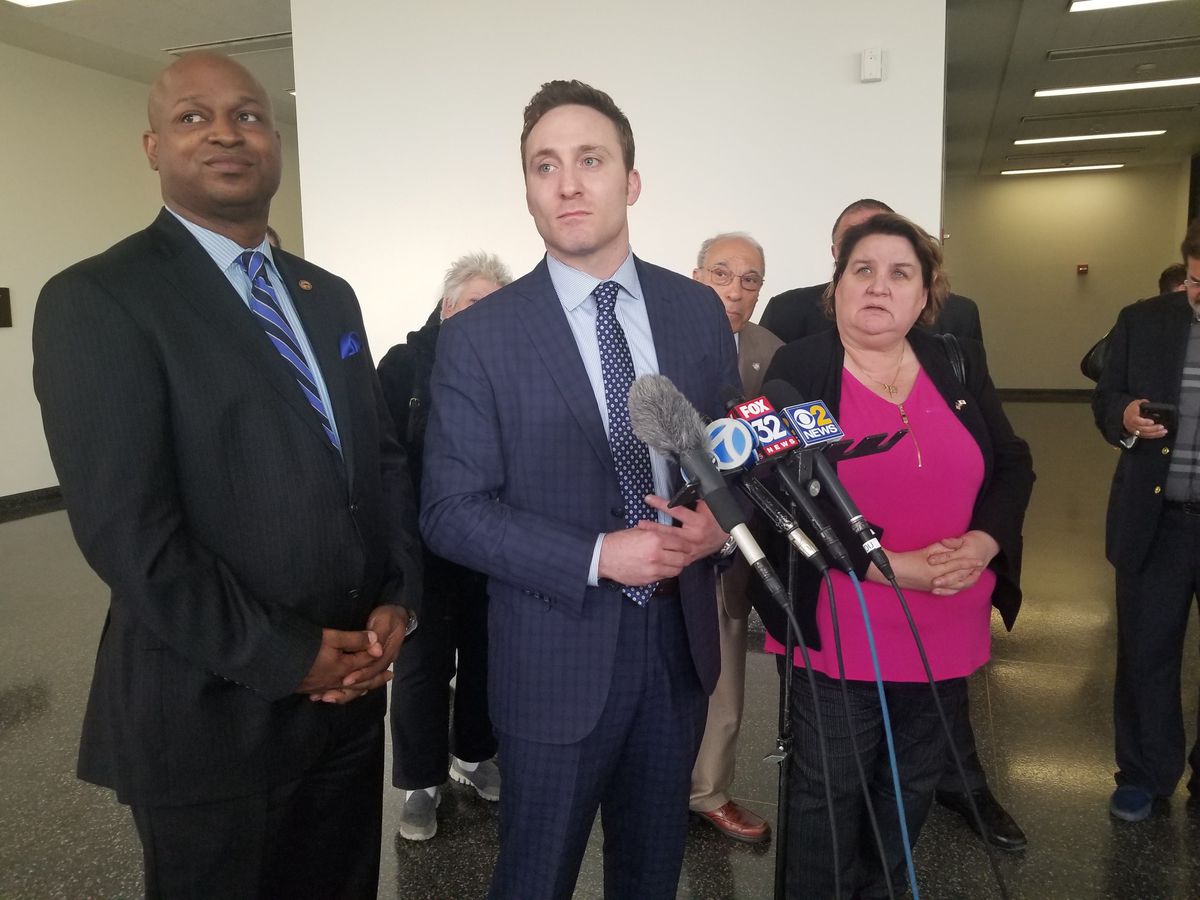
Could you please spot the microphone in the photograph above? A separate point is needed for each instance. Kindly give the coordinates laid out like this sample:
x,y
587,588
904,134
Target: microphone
x,y
824,428
775,439
664,419
732,443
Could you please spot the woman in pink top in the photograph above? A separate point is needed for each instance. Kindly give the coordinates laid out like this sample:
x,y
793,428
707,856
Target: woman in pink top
x,y
948,502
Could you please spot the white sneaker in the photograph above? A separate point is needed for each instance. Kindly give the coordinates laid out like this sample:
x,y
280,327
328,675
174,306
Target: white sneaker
x,y
418,814
485,777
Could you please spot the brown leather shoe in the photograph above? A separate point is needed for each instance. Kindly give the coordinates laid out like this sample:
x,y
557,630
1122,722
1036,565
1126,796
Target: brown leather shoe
x,y
738,823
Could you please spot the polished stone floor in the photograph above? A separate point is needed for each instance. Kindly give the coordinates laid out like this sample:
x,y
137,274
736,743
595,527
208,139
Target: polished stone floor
x,y
1041,710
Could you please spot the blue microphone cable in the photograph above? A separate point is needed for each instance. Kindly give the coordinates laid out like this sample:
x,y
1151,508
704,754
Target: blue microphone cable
x,y
891,744
862,775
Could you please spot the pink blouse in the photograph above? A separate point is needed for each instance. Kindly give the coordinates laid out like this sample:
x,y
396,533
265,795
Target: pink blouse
x,y
914,506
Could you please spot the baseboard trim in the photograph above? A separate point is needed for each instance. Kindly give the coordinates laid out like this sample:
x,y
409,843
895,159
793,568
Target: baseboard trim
x,y
30,503
1045,395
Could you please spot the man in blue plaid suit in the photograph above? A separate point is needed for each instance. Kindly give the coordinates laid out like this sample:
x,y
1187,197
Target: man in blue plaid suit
x,y
602,625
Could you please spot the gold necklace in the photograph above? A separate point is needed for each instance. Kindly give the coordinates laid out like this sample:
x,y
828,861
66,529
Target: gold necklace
x,y
891,389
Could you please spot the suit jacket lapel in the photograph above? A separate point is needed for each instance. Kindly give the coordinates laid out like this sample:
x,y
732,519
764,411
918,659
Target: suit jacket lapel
x,y
551,336
323,326
197,280
1176,329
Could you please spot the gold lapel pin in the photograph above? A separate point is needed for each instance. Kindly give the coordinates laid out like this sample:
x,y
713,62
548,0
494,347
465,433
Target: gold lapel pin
x,y
305,284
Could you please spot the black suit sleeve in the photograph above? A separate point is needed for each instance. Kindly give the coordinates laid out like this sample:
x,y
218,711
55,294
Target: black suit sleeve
x,y
1112,394
396,378
107,416
404,580
1000,508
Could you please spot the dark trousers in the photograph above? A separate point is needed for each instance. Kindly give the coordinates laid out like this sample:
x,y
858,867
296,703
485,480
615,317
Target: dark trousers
x,y
453,618
959,716
317,837
920,755
1152,613
635,767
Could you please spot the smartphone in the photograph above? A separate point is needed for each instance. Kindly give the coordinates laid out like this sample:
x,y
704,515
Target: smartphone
x,y
1165,414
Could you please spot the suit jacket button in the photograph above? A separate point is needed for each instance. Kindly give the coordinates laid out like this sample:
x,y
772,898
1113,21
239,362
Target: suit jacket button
x,y
353,507
1158,489
618,511
1166,451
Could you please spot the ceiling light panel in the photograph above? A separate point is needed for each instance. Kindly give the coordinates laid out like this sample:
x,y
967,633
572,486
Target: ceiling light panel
x,y
37,2
1126,86
1091,137
1089,5
1061,169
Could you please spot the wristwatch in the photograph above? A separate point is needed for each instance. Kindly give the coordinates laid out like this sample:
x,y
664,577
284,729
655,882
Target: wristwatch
x,y
412,623
727,548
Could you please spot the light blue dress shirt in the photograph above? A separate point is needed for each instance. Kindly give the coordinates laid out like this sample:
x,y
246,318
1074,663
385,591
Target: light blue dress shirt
x,y
574,289
225,253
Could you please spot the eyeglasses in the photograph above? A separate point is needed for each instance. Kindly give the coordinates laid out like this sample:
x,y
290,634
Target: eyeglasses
x,y
720,276
1191,282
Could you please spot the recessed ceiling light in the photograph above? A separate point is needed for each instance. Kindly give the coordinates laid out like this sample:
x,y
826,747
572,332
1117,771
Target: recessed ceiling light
x,y
1109,88
1088,5
37,2
1091,137
1061,169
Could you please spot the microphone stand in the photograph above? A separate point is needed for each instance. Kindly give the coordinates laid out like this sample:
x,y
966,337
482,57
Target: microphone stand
x,y
783,743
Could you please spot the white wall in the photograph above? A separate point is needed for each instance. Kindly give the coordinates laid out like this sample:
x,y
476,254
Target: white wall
x,y
1015,242
73,181
747,117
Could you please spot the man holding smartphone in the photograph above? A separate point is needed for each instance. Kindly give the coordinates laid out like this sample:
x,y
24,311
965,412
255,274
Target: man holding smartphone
x,y
1148,402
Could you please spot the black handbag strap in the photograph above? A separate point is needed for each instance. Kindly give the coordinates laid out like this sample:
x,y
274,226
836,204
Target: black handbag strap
x,y
955,355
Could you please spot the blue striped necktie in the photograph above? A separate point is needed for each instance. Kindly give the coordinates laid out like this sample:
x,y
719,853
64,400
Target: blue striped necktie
x,y
265,306
630,455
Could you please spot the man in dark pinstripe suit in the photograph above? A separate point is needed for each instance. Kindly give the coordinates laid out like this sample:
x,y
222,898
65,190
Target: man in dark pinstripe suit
x,y
602,623
230,471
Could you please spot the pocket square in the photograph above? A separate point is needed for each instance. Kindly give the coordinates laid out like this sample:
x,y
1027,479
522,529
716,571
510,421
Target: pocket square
x,y
350,343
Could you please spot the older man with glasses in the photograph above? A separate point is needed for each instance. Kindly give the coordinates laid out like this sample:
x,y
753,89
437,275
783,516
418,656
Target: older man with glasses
x,y
732,264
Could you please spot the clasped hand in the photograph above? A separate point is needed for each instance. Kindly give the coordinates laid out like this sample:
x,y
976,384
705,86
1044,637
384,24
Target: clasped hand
x,y
652,551
945,567
351,663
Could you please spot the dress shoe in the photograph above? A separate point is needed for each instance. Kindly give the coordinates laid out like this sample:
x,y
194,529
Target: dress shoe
x,y
1130,803
1001,830
738,823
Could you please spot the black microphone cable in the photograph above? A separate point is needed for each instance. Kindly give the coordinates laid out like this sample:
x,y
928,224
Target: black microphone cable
x,y
668,423
958,766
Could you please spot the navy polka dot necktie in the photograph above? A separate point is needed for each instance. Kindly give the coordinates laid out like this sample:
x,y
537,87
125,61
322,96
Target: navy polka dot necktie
x,y
630,455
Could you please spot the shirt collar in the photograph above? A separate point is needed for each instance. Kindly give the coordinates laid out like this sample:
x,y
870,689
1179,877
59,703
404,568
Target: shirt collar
x,y
574,287
224,251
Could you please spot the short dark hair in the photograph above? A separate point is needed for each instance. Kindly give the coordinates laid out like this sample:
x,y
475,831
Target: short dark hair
x,y
858,206
1190,248
554,94
927,250
1171,279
